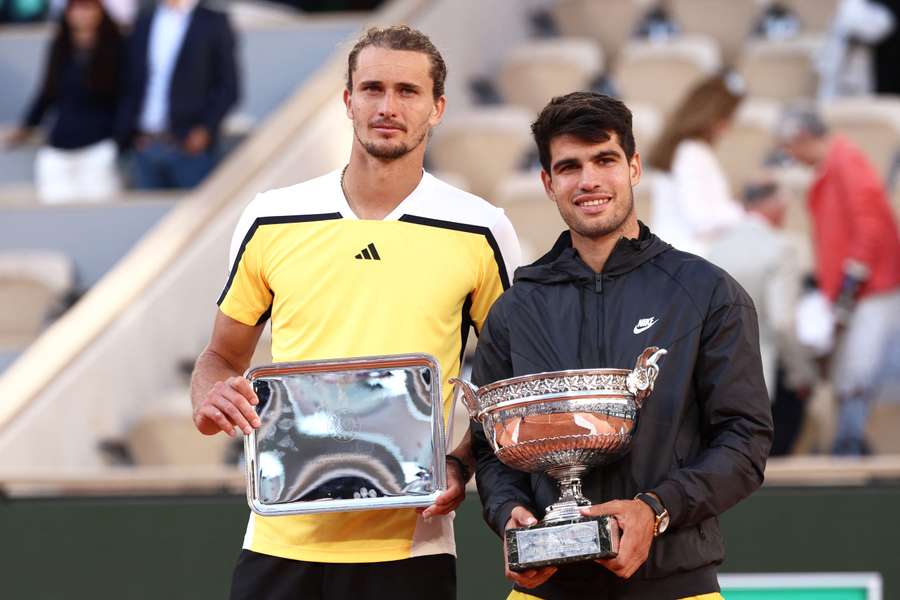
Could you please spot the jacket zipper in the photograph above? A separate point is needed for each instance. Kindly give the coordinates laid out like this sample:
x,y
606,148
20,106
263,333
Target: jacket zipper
x,y
601,350
601,353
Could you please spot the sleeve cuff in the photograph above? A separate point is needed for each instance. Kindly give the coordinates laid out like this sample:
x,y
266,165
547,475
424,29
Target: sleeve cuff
x,y
673,500
504,513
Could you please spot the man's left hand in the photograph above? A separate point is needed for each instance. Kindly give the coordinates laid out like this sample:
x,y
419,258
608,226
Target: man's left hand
x,y
636,520
452,497
197,140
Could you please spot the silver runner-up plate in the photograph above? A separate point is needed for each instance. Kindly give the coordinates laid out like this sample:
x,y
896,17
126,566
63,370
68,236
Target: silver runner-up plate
x,y
346,434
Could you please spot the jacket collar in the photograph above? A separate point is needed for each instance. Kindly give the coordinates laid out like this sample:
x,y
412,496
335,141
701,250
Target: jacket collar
x,y
563,265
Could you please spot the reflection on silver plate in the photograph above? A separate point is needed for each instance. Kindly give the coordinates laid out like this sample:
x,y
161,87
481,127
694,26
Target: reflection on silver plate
x,y
348,434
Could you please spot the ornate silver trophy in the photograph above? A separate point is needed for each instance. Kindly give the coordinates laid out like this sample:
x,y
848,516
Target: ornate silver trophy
x,y
563,423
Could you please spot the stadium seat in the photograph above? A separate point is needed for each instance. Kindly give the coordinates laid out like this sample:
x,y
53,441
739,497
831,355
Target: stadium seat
x,y
535,72
165,435
483,146
532,213
647,124
872,122
780,69
659,73
814,15
610,22
33,285
728,23
748,141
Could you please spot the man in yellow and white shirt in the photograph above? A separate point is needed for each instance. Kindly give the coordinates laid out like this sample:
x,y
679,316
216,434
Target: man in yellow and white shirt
x,y
379,258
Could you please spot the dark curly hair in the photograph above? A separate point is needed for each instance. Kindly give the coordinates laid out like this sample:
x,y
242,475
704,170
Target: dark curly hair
x,y
588,116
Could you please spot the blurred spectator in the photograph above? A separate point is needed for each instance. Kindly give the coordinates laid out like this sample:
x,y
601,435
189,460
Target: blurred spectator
x,y
79,89
692,201
845,62
762,257
887,53
857,264
181,82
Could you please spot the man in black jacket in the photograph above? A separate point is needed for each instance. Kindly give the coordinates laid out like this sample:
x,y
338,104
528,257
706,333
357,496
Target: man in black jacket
x,y
181,79
608,289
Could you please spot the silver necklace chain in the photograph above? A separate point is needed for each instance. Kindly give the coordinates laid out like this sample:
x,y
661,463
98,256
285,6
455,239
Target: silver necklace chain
x,y
344,188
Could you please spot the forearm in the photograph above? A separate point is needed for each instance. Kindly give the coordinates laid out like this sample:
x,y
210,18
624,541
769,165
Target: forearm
x,y
35,113
464,452
211,368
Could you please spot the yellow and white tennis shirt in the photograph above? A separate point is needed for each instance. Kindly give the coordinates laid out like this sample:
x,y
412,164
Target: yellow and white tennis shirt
x,y
336,287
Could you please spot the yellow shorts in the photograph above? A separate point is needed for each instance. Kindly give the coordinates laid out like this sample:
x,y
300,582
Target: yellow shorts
x,y
514,595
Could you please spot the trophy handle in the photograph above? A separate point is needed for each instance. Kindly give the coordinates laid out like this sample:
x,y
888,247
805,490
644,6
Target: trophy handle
x,y
469,395
640,381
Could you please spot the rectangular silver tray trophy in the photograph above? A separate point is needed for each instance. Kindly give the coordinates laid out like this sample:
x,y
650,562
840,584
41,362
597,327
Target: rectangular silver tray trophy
x,y
562,423
348,434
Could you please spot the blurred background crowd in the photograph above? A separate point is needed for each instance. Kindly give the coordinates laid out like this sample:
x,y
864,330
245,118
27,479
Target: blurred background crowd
x,y
133,133
768,129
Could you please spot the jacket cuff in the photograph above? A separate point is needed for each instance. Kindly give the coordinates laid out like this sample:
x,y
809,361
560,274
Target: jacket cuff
x,y
673,499
503,515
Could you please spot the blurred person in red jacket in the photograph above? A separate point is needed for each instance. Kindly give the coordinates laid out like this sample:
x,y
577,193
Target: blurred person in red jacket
x,y
857,264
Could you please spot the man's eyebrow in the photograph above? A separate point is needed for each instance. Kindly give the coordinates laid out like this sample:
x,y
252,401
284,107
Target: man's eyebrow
x,y
607,154
564,162
366,82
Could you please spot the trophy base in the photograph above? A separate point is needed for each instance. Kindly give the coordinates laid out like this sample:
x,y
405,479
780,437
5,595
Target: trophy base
x,y
561,542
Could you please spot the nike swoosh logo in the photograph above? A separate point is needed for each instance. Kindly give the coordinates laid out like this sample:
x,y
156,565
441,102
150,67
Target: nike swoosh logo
x,y
644,324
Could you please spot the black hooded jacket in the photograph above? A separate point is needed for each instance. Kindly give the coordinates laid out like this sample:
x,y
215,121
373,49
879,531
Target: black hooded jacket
x,y
702,436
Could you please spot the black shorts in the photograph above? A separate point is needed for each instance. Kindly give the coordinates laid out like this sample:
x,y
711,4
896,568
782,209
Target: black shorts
x,y
263,577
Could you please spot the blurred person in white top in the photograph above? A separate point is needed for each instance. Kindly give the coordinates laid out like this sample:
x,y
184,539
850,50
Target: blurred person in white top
x,y
692,201
764,259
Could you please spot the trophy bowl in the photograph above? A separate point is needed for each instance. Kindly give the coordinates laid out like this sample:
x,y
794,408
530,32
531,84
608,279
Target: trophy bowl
x,y
563,423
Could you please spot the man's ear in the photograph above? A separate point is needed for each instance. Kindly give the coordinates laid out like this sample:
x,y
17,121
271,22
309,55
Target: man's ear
x,y
437,112
634,166
347,104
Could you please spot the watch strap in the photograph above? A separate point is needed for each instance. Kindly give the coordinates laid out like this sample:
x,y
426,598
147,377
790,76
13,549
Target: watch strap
x,y
656,506
652,502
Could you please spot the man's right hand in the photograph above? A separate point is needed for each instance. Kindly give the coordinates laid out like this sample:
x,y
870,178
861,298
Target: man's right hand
x,y
228,404
520,517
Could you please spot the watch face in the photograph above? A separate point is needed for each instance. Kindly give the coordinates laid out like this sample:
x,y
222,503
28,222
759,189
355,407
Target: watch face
x,y
663,522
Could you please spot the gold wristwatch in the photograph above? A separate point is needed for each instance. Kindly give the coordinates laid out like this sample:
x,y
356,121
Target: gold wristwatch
x,y
662,515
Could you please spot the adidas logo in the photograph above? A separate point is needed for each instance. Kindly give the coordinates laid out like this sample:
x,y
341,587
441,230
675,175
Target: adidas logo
x,y
369,253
